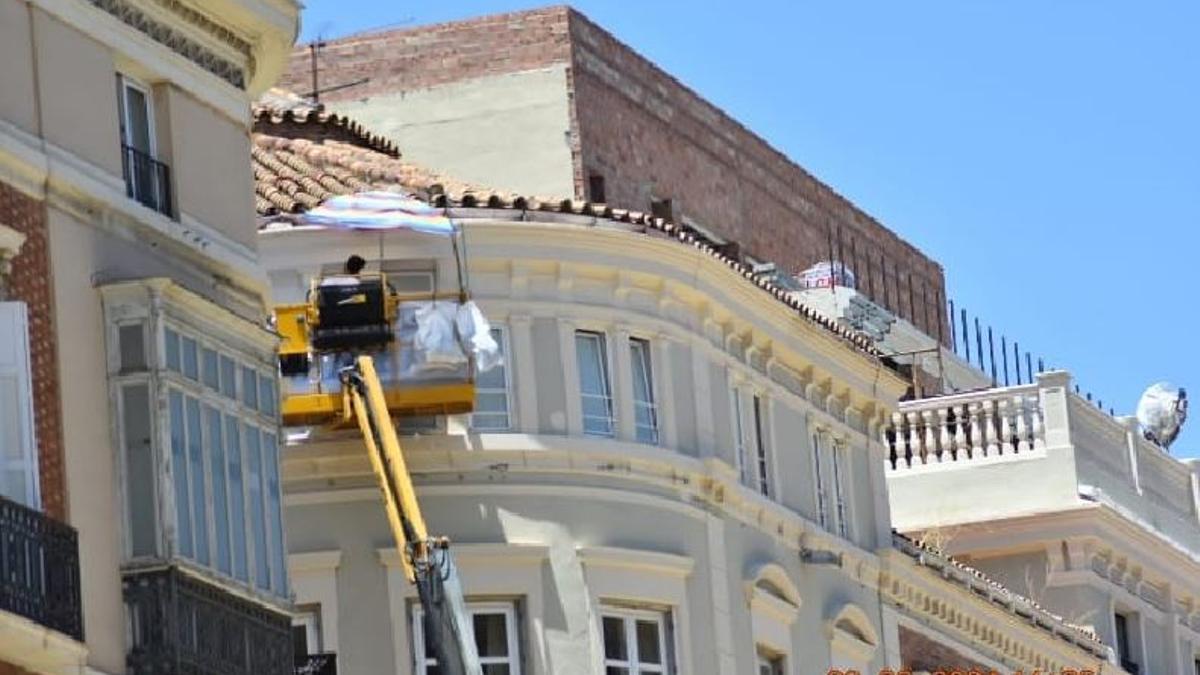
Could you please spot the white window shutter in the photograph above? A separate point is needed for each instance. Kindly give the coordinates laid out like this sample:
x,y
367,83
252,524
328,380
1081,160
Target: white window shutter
x,y
18,450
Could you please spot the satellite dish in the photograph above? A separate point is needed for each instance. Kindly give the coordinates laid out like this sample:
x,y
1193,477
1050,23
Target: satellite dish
x,y
1162,411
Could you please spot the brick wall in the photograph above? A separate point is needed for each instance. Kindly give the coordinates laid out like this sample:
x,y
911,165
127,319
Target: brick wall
x,y
30,282
920,653
650,137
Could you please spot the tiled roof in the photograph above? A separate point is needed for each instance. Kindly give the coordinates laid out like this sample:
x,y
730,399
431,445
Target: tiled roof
x,y
303,156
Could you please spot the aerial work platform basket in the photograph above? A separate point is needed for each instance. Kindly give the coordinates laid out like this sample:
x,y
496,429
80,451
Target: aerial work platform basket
x,y
426,346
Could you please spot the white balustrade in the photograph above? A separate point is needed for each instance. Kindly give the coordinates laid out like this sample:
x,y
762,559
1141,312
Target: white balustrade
x,y
995,423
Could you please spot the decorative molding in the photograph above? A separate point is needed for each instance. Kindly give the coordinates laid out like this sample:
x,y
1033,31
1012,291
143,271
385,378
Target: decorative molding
x,y
174,40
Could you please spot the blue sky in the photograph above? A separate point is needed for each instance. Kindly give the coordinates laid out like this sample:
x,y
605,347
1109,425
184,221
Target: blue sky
x,y
1046,153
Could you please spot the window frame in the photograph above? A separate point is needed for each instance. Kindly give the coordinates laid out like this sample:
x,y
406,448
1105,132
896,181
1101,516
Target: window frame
x,y
647,364
502,339
774,662
603,360
422,661
841,499
762,459
165,377
309,616
24,413
630,618
819,493
738,428
126,83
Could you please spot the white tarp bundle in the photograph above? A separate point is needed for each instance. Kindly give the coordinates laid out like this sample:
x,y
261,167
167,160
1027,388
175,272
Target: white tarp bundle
x,y
446,333
379,211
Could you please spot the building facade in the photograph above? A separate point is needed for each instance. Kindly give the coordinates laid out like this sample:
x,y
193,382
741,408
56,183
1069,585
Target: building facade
x,y
130,278
678,469
546,103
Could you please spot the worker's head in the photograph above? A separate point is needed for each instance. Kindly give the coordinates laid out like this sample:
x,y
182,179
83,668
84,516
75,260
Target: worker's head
x,y
355,264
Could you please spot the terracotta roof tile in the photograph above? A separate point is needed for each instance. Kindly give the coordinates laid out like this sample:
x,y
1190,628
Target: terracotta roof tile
x,y
303,156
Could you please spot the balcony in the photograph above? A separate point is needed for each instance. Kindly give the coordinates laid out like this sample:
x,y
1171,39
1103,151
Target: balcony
x,y
147,180
1035,448
39,569
317,664
182,624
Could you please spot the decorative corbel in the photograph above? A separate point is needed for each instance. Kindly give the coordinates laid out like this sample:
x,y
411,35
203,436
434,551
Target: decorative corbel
x,y
10,246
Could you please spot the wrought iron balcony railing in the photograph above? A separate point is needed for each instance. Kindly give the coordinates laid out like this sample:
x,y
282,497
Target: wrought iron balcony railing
x,y
39,569
317,664
146,179
181,624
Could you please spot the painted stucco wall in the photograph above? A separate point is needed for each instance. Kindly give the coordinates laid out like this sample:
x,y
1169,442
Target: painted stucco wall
x,y
510,131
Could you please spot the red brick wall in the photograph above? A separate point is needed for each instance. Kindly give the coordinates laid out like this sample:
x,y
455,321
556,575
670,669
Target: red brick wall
x,y
649,136
404,60
30,282
918,653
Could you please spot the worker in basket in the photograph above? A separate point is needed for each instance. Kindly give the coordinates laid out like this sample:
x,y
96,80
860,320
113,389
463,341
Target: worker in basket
x,y
350,270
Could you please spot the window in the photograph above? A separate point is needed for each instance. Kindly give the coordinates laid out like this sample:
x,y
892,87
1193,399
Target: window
x,y
492,411
760,446
1196,666
635,642
645,414
839,498
18,449
494,625
146,179
739,438
596,193
1124,639
306,632
769,663
595,390
662,208
819,480
212,493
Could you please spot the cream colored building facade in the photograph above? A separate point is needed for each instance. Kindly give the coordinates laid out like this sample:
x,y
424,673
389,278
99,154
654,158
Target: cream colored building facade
x,y
1062,502
728,514
125,212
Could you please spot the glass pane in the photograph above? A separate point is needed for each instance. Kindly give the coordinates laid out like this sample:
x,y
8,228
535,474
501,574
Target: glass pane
x,y
614,639
196,469
191,367
209,363
299,642
490,421
491,634
489,402
266,394
599,426
274,514
593,378
183,511
249,387
137,120
237,497
258,522
614,670
647,643
228,377
216,456
172,350
132,341
139,468
495,669
640,352
595,406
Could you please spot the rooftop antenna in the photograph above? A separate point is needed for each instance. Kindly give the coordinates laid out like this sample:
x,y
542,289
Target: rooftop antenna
x,y
314,49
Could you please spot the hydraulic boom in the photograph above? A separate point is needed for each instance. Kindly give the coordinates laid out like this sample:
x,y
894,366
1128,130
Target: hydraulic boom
x,y
427,561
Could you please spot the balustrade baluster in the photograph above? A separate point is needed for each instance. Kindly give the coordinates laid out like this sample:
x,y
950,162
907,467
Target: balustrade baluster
x,y
914,440
931,446
1039,428
945,449
1020,405
989,429
961,450
899,441
1006,440
976,432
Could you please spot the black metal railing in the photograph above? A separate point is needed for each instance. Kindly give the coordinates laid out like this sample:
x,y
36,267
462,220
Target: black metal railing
x,y
146,179
180,624
317,664
1130,667
39,569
